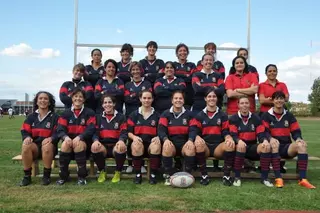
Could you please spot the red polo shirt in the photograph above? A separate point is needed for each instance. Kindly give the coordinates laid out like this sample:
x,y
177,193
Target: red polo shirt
x,y
240,82
268,89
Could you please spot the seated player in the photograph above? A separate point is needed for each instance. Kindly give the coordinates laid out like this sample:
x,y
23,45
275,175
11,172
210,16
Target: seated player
x,y
77,82
210,132
126,53
173,131
281,126
245,127
76,127
142,131
165,86
39,138
109,139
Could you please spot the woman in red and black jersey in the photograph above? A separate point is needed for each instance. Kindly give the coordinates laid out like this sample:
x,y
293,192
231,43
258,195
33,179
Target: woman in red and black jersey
x,y
109,139
39,138
142,130
76,127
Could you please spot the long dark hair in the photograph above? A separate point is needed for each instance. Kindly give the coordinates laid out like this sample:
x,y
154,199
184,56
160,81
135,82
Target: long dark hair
x,y
52,101
233,69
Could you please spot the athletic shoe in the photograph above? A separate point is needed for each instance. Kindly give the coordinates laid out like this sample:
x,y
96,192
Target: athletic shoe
x,y
267,183
306,183
116,177
204,180
237,182
137,179
61,182
129,169
25,181
166,179
278,182
283,169
227,181
153,179
143,170
45,181
102,176
82,181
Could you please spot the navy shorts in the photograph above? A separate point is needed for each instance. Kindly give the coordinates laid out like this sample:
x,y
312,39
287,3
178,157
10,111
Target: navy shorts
x,y
211,148
178,147
109,148
251,152
283,150
55,150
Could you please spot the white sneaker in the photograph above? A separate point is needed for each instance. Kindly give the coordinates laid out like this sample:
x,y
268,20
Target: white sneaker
x,y
237,182
143,170
129,169
267,183
166,180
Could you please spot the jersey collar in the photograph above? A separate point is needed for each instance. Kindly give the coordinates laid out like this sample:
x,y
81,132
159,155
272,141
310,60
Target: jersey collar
x,y
206,112
37,111
181,113
271,112
114,115
72,109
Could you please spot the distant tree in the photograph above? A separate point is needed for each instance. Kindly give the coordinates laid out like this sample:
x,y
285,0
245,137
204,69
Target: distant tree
x,y
289,106
314,97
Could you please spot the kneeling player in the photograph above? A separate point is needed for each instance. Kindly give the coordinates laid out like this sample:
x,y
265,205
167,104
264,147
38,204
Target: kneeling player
x,y
39,138
210,133
76,127
173,131
142,130
109,140
281,126
245,127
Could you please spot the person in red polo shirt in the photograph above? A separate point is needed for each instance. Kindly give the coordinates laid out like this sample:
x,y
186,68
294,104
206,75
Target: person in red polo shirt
x,y
240,82
270,86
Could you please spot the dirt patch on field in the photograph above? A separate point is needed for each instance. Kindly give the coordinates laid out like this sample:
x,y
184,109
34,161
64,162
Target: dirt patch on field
x,y
251,211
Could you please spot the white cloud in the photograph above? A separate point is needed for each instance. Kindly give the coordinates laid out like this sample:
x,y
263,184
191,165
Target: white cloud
x,y
25,50
119,31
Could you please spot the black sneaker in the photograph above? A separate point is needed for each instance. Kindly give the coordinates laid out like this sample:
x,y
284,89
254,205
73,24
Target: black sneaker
x,y
204,180
60,182
153,179
25,181
227,181
45,181
284,170
137,179
82,181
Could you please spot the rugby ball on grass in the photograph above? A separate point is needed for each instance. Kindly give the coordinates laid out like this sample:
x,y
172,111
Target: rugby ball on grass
x,y
181,180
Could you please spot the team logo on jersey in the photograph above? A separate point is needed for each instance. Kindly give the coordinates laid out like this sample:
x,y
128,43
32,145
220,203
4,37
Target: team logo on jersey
x,y
188,69
184,121
176,84
204,122
214,79
82,121
146,68
101,126
131,89
286,123
239,128
201,80
143,87
271,124
32,124
252,127
48,125
70,121
153,123
103,87
157,67
219,121
116,125
138,122
69,89
248,82
170,122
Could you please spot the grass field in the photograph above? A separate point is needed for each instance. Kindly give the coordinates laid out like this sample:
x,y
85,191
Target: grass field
x,y
126,196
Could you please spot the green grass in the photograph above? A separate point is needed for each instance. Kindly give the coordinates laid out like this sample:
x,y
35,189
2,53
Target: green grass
x,y
126,196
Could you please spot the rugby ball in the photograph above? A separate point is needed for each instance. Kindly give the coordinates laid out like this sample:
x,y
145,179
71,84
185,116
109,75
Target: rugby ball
x,y
181,180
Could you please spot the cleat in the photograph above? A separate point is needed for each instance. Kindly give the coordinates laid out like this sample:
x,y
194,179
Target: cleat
x,y
267,183
278,182
166,180
25,181
143,170
129,169
82,181
305,183
226,180
153,179
45,181
116,177
60,182
204,180
237,182
102,176
137,179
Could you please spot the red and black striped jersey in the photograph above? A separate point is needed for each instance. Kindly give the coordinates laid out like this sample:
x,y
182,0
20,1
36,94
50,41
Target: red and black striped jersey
x,y
217,67
145,128
281,126
111,128
131,94
213,127
93,75
69,86
163,89
174,126
247,129
152,69
39,129
123,72
75,124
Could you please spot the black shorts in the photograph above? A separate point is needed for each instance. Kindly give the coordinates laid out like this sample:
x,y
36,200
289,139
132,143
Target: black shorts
x,y
283,150
55,150
109,148
252,152
211,148
178,147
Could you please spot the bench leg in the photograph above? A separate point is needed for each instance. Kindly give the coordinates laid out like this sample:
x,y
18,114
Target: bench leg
x,y
35,168
91,171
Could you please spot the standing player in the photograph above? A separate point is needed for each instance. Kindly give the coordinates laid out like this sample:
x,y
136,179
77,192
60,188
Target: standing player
x,y
210,132
77,82
109,139
173,131
281,126
164,88
39,138
1,112
76,127
244,53
240,82
217,66
10,112
111,85
142,131
184,70
150,64
126,53
245,127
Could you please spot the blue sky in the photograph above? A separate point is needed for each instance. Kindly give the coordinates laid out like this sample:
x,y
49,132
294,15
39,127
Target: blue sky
x,y
280,31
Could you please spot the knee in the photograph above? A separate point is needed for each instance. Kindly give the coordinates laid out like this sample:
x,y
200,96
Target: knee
x,y
120,148
95,147
190,151
199,147
301,148
241,149
266,148
26,149
137,149
47,150
167,150
155,149
65,147
79,147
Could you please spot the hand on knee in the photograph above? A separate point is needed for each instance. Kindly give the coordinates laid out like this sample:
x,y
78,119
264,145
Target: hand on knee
x,y
46,141
189,149
266,148
96,146
241,146
120,147
27,141
155,148
200,146
168,148
137,148
301,147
